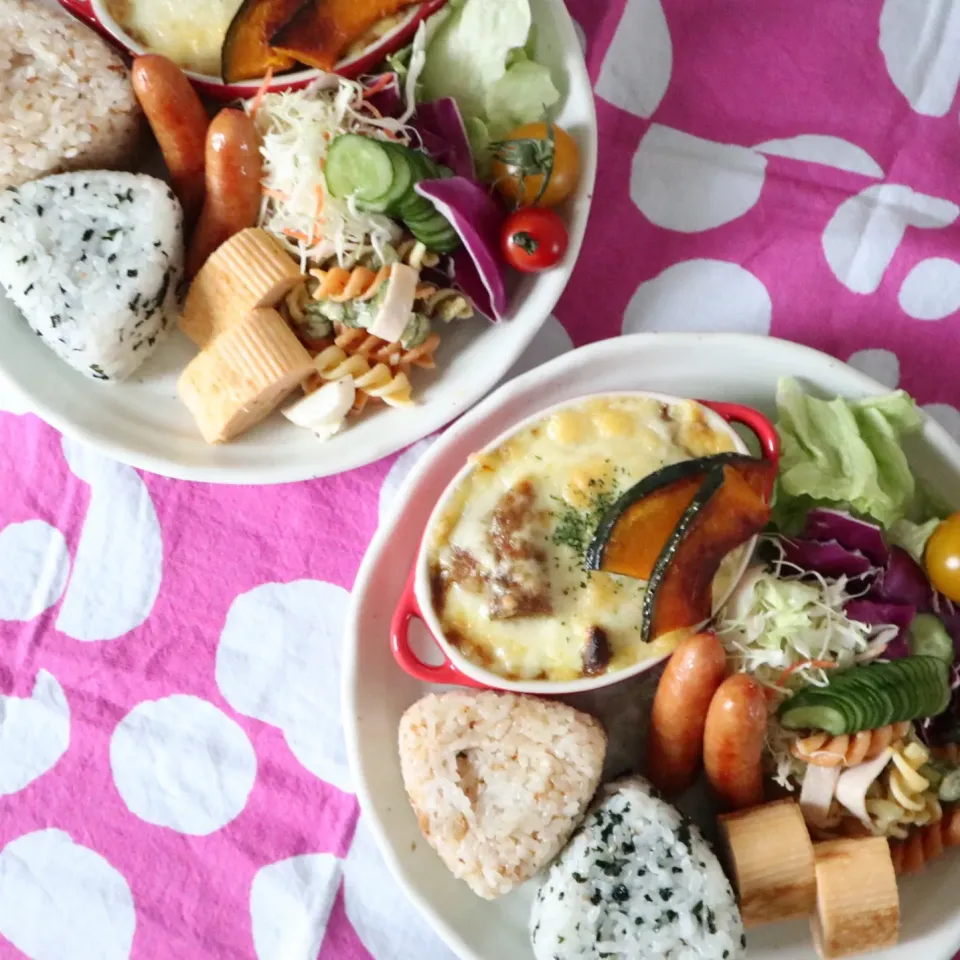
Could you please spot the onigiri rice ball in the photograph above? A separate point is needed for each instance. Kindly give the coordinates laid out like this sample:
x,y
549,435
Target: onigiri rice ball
x,y
93,261
636,880
498,781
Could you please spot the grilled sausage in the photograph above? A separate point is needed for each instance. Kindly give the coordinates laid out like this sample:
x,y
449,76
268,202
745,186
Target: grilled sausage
x,y
179,124
691,678
733,742
233,171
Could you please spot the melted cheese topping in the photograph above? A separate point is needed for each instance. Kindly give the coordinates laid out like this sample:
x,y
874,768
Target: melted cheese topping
x,y
577,460
189,33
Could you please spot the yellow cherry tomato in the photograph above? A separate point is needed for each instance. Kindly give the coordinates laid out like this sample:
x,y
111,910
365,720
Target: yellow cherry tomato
x,y
536,165
942,557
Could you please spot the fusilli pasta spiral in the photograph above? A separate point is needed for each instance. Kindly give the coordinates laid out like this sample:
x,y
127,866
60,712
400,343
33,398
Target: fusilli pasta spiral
x,y
822,750
314,330
414,254
358,342
377,381
339,285
902,797
448,304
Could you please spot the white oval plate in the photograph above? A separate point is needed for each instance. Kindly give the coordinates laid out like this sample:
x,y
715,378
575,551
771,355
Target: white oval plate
x,y
376,691
143,423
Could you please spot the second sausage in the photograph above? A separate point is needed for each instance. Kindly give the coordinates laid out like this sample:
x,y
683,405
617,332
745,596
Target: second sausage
x,y
733,742
679,715
233,176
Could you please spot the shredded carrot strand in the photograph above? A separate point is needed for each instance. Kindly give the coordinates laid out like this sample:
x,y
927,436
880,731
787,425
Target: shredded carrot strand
x,y
320,200
818,664
275,194
300,235
261,93
383,81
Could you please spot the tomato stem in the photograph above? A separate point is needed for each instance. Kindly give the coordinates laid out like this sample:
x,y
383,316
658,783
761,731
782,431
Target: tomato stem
x,y
526,243
530,158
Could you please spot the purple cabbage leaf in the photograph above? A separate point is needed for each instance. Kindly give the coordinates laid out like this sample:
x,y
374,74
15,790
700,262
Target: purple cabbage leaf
x,y
858,535
903,581
478,219
876,614
828,558
444,135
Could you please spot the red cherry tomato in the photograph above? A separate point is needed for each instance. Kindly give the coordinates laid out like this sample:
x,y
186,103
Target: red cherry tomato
x,y
534,239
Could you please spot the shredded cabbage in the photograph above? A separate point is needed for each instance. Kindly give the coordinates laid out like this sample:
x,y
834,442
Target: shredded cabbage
x,y
774,621
787,770
296,128
418,61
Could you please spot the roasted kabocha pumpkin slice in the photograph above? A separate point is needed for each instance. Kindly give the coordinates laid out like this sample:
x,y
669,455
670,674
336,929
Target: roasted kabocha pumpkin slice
x,y
725,513
247,54
634,531
321,31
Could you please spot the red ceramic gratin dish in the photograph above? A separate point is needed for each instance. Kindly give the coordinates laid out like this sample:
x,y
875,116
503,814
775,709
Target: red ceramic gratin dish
x,y
95,14
409,607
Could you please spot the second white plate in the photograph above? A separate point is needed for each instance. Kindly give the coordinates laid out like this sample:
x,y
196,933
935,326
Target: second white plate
x,y
376,692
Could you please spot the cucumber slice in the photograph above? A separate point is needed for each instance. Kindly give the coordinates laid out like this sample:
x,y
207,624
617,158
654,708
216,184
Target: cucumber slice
x,y
445,244
816,717
429,219
441,238
929,638
439,243
404,177
937,677
425,167
434,231
867,697
430,228
414,207
359,167
869,703
879,698
381,177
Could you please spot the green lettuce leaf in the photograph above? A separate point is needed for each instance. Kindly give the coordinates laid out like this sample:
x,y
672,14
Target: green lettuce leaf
x,y
480,141
470,49
522,95
844,453
482,56
912,537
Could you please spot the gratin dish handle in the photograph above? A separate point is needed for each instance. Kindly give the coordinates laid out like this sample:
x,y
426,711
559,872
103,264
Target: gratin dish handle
x,y
83,9
407,610
755,421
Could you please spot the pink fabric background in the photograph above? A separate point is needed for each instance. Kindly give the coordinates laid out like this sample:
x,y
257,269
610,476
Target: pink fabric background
x,y
743,72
